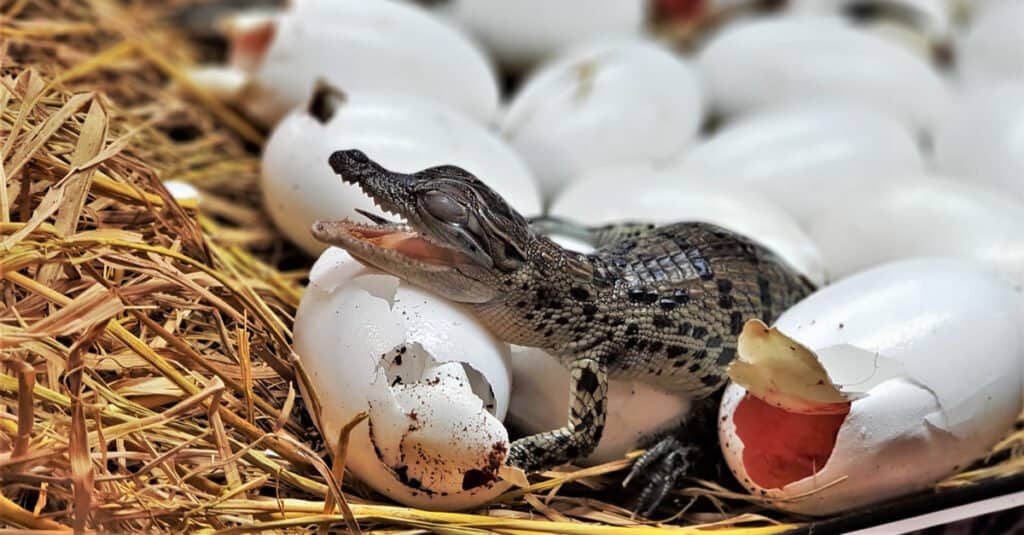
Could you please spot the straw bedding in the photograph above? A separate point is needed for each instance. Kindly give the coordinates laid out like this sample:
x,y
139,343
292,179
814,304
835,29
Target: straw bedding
x,y
146,380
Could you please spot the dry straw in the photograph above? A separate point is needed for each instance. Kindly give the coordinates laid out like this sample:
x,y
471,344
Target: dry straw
x,y
146,382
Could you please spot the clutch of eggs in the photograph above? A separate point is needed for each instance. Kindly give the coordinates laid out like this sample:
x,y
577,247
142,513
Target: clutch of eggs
x,y
932,345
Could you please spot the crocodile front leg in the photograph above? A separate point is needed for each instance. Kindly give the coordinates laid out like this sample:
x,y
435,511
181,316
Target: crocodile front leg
x,y
587,408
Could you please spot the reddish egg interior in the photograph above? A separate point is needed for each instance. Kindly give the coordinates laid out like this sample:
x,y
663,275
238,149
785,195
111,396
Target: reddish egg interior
x,y
781,447
248,47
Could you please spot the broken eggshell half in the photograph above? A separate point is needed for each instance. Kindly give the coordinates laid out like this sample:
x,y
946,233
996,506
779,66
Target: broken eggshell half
x,y
434,382
932,344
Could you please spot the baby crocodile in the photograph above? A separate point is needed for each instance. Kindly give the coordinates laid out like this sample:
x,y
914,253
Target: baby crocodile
x,y
659,304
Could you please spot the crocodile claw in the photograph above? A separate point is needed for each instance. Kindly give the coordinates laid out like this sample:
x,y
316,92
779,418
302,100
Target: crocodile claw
x,y
689,450
660,468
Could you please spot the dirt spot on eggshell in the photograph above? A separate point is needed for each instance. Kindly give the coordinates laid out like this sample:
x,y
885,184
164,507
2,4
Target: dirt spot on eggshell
x,y
489,473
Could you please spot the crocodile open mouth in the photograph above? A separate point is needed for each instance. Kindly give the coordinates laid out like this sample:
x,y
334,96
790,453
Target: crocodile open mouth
x,y
388,238
382,239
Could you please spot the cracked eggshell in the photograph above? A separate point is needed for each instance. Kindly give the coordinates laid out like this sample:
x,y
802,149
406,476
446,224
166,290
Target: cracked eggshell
x,y
581,111
799,155
435,382
806,58
403,134
921,216
933,343
360,46
983,141
524,32
657,197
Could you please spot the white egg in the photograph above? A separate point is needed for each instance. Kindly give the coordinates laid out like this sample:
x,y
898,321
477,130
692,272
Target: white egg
x,y
540,402
983,141
933,343
435,382
403,134
992,49
524,32
360,46
798,58
926,216
649,196
601,104
799,156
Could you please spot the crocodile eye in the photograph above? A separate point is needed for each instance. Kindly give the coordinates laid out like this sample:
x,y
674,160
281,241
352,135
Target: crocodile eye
x,y
444,207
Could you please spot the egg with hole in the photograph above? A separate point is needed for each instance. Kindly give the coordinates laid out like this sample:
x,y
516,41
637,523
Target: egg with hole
x,y
434,381
284,53
579,112
402,133
928,352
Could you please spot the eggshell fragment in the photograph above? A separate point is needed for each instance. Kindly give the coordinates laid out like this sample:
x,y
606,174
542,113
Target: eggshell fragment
x,y
598,199
434,380
429,429
524,32
780,371
806,58
403,134
800,156
934,345
983,140
922,216
361,47
182,191
581,111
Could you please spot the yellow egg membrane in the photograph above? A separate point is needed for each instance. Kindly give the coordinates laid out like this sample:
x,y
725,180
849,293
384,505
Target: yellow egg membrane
x,y
781,372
